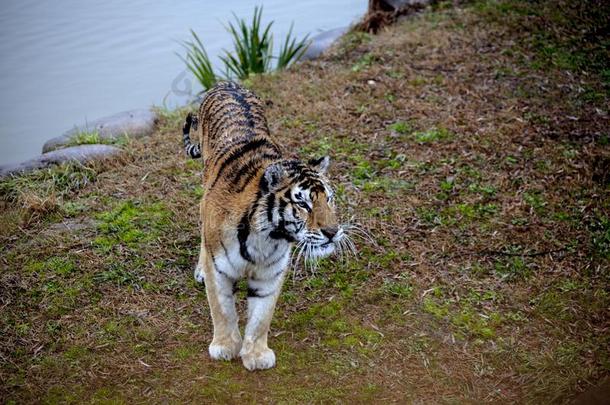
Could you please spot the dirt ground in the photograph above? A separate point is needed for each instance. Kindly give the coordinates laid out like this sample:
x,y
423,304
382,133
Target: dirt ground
x,y
471,143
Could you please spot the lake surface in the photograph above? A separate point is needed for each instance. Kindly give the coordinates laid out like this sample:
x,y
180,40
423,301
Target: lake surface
x,y
66,62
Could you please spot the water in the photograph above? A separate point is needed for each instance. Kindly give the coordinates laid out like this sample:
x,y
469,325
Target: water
x,y
65,62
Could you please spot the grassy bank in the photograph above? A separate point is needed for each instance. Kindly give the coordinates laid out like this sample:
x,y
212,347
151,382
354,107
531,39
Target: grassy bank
x,y
472,143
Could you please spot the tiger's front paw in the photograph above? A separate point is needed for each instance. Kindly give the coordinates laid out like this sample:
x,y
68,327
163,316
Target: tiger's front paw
x,y
224,350
258,359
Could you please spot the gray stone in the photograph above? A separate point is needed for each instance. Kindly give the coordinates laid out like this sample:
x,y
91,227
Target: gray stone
x,y
134,123
81,153
322,42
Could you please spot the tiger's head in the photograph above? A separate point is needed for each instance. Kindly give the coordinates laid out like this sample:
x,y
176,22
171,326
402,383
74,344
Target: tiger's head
x,y
299,206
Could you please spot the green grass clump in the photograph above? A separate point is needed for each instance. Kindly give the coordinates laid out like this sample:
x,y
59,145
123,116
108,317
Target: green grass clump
x,y
130,224
387,185
536,200
432,135
434,308
86,138
363,63
94,137
327,320
464,315
253,47
476,324
252,52
600,236
400,127
400,287
55,265
512,268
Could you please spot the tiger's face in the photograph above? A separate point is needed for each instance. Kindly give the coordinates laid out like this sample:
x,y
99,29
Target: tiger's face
x,y
314,212
301,209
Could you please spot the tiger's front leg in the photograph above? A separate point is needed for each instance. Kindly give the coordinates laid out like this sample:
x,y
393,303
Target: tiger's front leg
x,y
220,290
262,297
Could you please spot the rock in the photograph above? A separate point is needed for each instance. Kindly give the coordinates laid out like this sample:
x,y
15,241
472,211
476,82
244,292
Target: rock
x,y
322,42
398,4
134,123
381,13
81,153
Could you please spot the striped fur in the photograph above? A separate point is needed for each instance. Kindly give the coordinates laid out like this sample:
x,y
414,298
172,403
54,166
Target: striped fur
x,y
256,206
192,150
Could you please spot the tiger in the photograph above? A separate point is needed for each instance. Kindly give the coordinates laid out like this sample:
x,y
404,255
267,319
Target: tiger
x,y
257,205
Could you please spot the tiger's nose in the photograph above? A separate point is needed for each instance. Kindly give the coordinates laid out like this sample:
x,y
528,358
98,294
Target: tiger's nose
x,y
329,231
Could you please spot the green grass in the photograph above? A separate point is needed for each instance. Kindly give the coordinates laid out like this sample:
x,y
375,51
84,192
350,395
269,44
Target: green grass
x,y
364,62
85,138
401,127
252,52
198,62
123,221
535,200
61,266
600,236
432,135
42,192
400,287
352,40
335,330
465,316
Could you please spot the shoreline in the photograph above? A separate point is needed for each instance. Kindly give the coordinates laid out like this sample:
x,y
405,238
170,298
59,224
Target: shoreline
x,y
125,124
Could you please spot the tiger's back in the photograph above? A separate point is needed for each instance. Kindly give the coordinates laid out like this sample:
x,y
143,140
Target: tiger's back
x,y
234,136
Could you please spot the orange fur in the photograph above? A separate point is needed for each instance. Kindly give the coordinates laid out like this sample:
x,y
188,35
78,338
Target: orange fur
x,y
256,204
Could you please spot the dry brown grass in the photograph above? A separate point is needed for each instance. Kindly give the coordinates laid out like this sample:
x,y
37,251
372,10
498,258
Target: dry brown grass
x,y
488,281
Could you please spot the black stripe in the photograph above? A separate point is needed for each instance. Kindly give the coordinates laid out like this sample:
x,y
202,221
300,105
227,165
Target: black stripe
x,y
227,148
223,273
239,97
224,120
234,155
282,206
194,151
209,251
253,293
245,173
219,100
186,128
270,206
243,230
280,233
191,149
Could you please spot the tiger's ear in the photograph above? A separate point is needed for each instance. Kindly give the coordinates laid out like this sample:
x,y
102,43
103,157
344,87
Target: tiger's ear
x,y
320,164
272,177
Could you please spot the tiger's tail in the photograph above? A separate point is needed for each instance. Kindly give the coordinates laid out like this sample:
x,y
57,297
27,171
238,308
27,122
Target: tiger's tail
x,y
192,150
